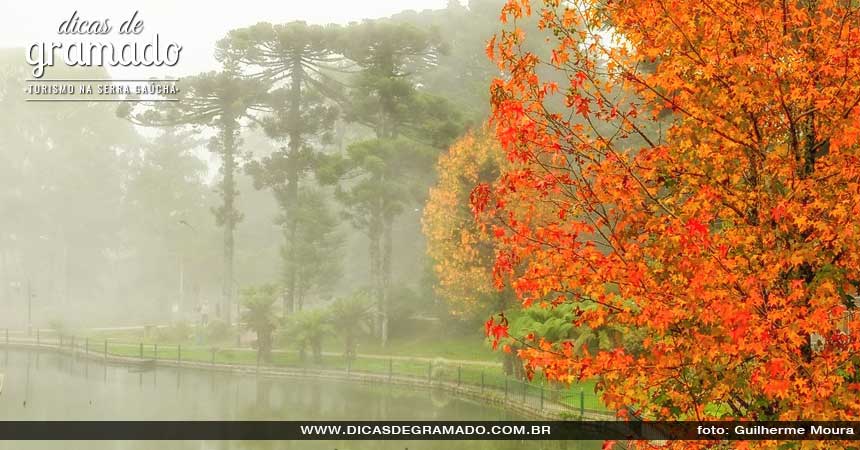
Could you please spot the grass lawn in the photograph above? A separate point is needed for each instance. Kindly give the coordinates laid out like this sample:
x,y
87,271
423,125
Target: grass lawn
x,y
493,378
472,348
423,344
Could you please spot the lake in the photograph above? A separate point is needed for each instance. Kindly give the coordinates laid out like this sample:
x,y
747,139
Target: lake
x,y
50,386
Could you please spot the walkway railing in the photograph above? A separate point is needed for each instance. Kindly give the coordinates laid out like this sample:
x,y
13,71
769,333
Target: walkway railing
x,y
537,398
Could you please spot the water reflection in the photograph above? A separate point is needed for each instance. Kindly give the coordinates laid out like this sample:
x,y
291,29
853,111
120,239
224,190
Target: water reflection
x,y
50,386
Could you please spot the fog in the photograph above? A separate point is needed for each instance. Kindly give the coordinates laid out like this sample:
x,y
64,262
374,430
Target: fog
x,y
21,25
109,223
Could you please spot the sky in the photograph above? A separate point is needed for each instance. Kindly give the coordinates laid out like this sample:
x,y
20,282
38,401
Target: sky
x,y
194,24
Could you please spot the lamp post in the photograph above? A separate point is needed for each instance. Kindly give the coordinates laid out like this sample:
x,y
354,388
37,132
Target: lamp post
x,y
181,283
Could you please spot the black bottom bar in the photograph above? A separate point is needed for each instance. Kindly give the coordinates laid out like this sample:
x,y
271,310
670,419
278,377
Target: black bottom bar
x,y
468,430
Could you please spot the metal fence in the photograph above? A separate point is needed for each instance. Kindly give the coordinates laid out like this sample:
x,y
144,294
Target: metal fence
x,y
478,381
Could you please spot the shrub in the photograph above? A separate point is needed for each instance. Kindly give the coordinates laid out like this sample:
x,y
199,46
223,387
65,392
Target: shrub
x,y
175,332
218,330
59,326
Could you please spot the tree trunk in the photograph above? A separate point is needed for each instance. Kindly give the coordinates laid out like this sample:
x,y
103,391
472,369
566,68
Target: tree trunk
x,y
292,193
349,346
387,247
229,216
374,235
264,346
303,353
317,350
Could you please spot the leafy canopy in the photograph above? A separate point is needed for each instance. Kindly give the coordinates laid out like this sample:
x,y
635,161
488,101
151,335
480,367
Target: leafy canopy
x,y
700,185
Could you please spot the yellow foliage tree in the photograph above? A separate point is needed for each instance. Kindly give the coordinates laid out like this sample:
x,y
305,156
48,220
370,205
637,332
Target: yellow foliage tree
x,y
462,250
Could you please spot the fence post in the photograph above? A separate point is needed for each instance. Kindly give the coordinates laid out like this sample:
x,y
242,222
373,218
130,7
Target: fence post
x,y
87,345
213,356
72,344
178,354
459,375
156,351
38,340
61,340
390,368
541,397
525,388
106,350
7,336
141,350
430,371
581,402
482,381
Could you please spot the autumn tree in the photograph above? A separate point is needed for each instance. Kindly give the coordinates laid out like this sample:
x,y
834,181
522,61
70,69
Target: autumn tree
x,y
462,252
703,182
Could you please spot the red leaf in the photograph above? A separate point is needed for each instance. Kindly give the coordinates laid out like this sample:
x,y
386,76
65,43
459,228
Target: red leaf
x,y
694,227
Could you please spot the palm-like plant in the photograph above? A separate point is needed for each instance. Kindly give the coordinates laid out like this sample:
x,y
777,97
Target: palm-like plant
x,y
604,337
552,324
351,317
258,315
307,329
557,324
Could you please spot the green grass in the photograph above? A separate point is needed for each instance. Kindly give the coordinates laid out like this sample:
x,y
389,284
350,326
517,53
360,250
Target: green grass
x,y
155,337
490,378
425,344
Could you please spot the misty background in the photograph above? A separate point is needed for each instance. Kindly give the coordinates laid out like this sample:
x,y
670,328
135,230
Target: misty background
x,y
196,25
103,222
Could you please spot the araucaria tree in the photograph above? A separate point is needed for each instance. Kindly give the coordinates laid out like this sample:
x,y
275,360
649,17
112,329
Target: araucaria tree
x,y
298,61
409,126
701,169
218,101
313,258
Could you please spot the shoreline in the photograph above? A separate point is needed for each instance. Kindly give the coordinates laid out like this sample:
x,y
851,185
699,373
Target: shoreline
x,y
552,411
